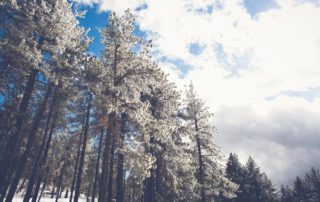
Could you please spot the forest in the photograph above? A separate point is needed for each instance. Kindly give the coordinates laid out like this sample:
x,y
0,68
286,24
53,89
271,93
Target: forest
x,y
77,127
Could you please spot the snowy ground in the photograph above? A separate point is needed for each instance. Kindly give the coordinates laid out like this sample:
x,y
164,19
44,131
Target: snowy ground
x,y
46,198
17,199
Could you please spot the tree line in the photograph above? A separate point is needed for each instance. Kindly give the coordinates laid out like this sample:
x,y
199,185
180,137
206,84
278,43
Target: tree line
x,y
74,125
102,128
256,186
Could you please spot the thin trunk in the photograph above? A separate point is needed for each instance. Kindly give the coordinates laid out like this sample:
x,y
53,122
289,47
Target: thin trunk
x,y
53,190
88,193
42,190
97,168
84,145
44,159
61,192
22,184
120,177
150,183
66,195
37,188
201,173
10,150
105,164
54,185
31,139
77,162
110,183
60,180
34,172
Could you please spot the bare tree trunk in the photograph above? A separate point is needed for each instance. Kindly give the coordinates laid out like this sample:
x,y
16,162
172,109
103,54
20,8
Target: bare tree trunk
x,y
84,145
44,159
54,185
10,150
60,180
97,168
77,161
88,193
120,172
31,139
60,194
42,190
201,172
66,195
110,183
34,172
105,164
150,183
36,190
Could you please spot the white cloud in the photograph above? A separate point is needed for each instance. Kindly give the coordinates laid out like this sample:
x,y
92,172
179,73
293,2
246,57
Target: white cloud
x,y
282,49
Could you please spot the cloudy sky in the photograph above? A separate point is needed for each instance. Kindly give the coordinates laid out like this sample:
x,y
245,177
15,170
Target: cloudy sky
x,y
256,63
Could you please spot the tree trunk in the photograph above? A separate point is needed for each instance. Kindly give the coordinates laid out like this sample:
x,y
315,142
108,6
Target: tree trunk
x,y
120,177
60,194
66,195
88,193
31,139
10,150
37,188
84,145
42,190
105,164
150,183
54,185
97,168
77,161
53,190
110,183
201,172
44,159
34,172
60,180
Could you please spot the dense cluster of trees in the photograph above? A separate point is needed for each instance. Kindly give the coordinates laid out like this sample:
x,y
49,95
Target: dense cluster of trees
x,y
255,186
303,189
106,128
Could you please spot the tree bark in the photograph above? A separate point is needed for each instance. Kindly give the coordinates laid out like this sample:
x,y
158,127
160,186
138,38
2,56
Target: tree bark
x,y
120,172
42,190
54,185
84,145
66,195
105,164
77,161
10,150
37,188
201,172
110,183
31,139
34,172
44,159
97,168
60,180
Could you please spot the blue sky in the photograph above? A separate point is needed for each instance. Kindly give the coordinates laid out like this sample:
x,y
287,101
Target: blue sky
x,y
95,20
254,62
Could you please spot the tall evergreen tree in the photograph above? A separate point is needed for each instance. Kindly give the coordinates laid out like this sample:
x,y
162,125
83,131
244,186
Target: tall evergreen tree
x,y
210,180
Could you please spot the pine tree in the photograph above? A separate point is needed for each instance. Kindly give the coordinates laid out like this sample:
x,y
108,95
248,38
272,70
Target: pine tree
x,y
210,179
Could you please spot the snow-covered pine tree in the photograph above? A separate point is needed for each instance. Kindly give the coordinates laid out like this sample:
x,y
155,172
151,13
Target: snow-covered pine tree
x,y
211,181
127,67
37,34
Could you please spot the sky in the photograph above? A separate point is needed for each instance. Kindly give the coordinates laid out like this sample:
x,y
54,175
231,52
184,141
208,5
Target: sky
x,y
256,63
